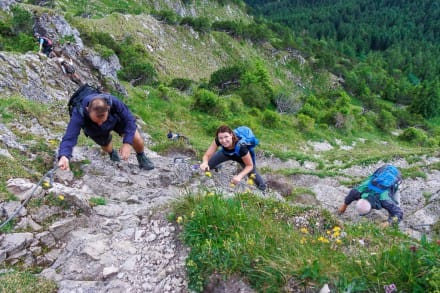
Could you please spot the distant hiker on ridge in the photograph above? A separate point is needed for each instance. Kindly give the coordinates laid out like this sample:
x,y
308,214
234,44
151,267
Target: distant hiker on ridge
x,y
45,45
98,114
380,190
68,69
236,149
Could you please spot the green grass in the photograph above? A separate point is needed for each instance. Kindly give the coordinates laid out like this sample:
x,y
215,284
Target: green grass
x,y
15,106
9,227
298,191
10,169
165,109
25,282
262,241
99,9
96,201
56,200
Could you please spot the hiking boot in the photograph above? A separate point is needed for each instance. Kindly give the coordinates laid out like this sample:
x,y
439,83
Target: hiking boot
x,y
114,156
262,187
144,162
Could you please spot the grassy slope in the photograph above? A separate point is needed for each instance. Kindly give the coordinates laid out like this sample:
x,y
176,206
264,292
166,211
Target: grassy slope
x,y
179,52
175,51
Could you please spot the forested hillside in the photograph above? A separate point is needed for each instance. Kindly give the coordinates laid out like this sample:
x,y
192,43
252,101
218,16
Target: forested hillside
x,y
394,45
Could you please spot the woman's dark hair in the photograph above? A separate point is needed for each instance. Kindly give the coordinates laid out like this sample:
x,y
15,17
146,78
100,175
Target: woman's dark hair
x,y
225,128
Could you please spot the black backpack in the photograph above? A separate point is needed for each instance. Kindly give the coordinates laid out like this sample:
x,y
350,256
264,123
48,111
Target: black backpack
x,y
77,97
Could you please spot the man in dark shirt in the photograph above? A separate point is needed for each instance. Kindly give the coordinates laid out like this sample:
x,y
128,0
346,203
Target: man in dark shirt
x,y
98,115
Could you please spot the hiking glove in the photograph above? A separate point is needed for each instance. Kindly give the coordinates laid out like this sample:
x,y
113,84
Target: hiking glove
x,y
342,209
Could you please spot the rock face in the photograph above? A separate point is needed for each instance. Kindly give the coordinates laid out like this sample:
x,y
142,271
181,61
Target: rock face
x,y
39,78
127,245
6,4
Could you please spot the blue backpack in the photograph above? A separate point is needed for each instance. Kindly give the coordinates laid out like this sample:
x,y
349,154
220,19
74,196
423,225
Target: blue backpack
x,y
387,177
245,138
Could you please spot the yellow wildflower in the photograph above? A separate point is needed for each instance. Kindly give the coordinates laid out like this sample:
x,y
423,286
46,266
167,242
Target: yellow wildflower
x,y
250,181
336,234
338,241
52,141
304,230
208,174
45,185
336,229
61,197
303,240
323,240
179,220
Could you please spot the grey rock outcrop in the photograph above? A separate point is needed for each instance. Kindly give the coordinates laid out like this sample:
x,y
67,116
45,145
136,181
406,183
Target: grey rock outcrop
x,y
6,4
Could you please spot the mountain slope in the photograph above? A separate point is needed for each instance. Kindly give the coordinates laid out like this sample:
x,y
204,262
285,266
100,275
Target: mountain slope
x,y
131,242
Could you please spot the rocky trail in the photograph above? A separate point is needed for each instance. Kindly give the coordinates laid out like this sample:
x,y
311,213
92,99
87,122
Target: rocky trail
x,y
128,245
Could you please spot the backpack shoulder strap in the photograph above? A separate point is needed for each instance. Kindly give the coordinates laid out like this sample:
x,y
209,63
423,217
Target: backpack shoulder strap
x,y
236,150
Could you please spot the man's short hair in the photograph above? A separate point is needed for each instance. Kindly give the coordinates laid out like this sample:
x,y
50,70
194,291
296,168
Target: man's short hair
x,y
99,106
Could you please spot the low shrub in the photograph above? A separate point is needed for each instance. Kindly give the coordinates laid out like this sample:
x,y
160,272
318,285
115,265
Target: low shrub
x,y
208,102
305,123
271,118
254,95
200,24
414,135
182,84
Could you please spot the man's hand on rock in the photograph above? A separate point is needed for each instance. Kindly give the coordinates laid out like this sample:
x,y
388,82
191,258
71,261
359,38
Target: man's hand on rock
x,y
342,209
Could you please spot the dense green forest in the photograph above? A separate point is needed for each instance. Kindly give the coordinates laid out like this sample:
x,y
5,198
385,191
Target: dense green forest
x,y
392,46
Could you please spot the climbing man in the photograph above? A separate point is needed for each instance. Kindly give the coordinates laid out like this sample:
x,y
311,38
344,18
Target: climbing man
x,y
98,114
380,190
